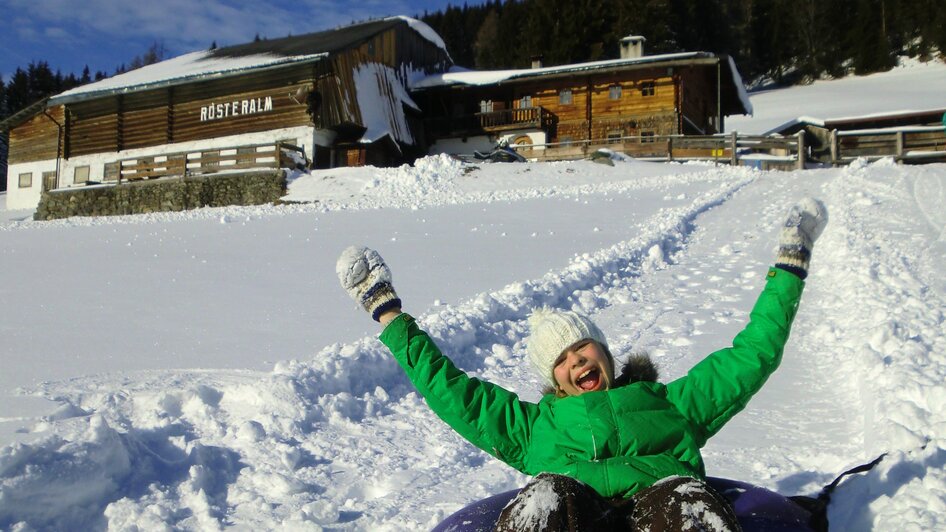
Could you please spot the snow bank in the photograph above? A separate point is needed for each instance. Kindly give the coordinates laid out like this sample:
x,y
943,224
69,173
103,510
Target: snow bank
x,y
665,257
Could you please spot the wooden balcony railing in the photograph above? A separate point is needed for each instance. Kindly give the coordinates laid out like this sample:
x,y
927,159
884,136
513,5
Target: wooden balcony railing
x,y
511,118
488,122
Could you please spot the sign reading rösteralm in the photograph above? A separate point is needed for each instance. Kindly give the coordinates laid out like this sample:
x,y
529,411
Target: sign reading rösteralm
x,y
216,111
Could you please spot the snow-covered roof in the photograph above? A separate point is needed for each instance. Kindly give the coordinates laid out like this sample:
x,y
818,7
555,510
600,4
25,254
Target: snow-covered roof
x,y
424,30
181,69
851,120
239,58
460,76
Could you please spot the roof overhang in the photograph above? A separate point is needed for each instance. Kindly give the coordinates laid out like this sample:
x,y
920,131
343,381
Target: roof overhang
x,y
70,97
23,115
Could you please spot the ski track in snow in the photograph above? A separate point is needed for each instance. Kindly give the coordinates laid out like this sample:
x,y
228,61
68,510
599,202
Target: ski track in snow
x,y
334,442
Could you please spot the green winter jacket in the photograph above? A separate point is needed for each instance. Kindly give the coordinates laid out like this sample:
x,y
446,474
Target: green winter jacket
x,y
620,440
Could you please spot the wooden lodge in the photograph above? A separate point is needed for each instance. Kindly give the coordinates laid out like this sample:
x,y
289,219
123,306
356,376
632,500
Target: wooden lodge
x,y
635,96
381,93
340,95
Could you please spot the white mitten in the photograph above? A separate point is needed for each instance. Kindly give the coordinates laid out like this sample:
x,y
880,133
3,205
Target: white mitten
x,y
806,220
367,279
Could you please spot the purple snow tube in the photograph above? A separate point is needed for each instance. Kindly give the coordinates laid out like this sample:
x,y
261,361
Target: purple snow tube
x,y
757,509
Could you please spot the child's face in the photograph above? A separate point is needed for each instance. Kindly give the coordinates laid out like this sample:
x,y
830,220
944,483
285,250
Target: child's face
x,y
583,367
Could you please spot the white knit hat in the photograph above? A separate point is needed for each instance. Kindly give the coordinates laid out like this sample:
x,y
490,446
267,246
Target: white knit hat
x,y
552,332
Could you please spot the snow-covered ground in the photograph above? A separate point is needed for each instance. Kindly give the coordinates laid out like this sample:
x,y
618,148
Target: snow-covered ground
x,y
910,86
203,370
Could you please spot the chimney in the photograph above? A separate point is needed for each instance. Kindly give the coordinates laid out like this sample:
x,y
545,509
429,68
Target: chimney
x,y
536,61
632,46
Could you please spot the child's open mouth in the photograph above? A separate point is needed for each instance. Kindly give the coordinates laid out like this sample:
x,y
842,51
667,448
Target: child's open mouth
x,y
589,380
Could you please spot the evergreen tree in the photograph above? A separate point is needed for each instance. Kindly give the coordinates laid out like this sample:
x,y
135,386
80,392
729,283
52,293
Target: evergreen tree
x,y
868,40
18,91
42,81
486,45
4,112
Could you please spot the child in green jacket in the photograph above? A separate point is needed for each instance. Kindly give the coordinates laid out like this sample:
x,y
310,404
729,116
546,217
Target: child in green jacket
x,y
607,452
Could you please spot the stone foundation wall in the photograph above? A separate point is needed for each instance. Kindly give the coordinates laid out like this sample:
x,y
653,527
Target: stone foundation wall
x,y
174,194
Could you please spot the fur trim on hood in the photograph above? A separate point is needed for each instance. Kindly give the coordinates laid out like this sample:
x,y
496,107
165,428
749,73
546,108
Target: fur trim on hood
x,y
638,368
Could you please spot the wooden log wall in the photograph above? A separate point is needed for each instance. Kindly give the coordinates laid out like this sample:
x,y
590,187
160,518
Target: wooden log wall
x,y
37,139
698,97
168,115
286,111
93,127
145,119
400,48
345,93
632,113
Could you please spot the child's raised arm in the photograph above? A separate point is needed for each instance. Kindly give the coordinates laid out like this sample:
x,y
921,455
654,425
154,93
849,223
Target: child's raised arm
x,y
488,416
721,385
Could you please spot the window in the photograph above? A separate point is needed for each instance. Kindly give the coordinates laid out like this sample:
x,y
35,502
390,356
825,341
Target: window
x,y
49,181
614,92
648,136
525,102
486,106
565,97
523,144
81,175
614,136
648,88
110,172
26,180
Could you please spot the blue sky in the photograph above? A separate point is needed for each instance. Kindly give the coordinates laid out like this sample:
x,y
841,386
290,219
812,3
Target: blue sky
x,y
103,34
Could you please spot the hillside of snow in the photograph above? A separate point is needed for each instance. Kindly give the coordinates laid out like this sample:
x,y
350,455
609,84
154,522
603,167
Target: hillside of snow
x,y
204,370
911,86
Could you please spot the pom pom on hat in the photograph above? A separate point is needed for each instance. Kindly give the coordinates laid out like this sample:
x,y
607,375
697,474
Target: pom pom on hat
x,y
552,331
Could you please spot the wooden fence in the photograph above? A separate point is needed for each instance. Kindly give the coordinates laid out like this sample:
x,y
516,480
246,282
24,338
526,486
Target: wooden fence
x,y
905,145
727,149
278,155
